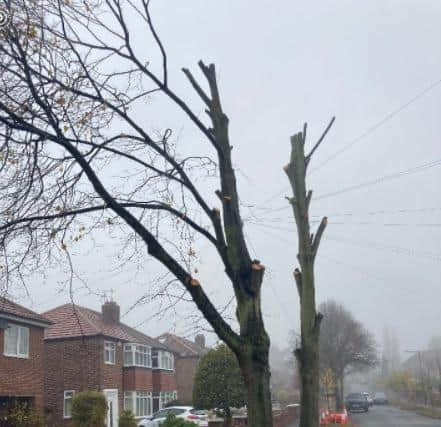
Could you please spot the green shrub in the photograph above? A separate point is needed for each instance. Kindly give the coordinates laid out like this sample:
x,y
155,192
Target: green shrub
x,y
89,409
22,415
172,421
127,419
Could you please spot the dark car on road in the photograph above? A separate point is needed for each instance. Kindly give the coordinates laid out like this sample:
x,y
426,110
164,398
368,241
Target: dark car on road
x,y
380,399
357,402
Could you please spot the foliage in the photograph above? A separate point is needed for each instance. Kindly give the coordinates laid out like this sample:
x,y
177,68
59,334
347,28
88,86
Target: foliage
x,y
127,419
401,381
345,345
328,380
173,421
89,409
218,381
22,415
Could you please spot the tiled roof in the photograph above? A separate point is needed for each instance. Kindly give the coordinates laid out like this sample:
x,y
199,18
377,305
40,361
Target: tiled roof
x,y
71,320
11,308
182,346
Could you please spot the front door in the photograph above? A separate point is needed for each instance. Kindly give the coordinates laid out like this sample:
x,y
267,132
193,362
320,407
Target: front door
x,y
112,407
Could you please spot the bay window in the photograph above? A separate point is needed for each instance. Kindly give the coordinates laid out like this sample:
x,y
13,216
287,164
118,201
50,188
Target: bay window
x,y
137,355
138,402
166,397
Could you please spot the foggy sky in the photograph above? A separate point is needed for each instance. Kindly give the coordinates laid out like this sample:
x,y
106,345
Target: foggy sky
x,y
281,64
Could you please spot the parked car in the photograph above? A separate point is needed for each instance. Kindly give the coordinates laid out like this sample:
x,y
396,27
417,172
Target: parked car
x,y
357,402
380,399
188,413
368,398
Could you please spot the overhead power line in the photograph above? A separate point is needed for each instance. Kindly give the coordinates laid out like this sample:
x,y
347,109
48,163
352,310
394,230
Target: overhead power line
x,y
378,124
363,135
376,181
382,179
362,243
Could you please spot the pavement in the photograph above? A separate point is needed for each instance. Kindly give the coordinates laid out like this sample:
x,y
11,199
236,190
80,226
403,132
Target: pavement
x,y
388,416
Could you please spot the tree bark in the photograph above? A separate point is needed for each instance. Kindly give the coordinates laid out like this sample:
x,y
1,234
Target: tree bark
x,y
255,369
308,354
339,395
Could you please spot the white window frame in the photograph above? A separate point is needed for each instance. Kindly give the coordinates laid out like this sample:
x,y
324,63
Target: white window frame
x,y
109,348
134,396
166,397
134,349
71,394
169,365
20,330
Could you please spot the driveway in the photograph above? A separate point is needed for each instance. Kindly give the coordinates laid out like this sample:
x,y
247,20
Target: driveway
x,y
388,416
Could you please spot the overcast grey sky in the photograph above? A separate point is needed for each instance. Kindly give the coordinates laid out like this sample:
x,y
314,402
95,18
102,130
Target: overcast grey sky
x,y
281,64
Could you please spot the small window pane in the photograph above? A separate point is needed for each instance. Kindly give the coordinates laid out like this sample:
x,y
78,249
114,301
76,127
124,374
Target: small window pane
x,y
11,337
23,343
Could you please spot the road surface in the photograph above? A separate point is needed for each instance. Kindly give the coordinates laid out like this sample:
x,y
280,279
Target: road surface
x,y
388,416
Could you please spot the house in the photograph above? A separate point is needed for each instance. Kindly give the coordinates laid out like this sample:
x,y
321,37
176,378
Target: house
x,y
187,355
90,350
21,356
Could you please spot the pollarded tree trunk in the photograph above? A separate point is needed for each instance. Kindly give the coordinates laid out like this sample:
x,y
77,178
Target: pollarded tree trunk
x,y
339,395
253,353
257,383
308,353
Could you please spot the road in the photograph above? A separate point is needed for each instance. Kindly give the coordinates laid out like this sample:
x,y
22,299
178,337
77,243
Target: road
x,y
388,416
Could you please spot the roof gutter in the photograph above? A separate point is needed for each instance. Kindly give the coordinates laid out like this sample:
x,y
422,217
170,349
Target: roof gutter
x,y
19,319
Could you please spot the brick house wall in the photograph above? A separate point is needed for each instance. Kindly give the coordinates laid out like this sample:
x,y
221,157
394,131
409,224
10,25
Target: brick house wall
x,y
24,376
164,380
135,378
185,371
78,364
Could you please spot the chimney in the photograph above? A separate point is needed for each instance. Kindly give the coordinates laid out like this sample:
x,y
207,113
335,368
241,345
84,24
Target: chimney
x,y
199,339
110,310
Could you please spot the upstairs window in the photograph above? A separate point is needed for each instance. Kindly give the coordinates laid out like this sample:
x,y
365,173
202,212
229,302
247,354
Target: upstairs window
x,y
163,360
137,355
16,341
109,352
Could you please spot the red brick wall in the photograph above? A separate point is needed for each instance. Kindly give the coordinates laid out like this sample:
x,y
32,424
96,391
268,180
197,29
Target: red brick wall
x,y
78,364
164,381
138,379
185,371
24,377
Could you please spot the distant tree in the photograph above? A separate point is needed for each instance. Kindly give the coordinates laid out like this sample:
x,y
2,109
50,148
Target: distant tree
x,y
89,409
345,345
327,381
401,381
435,343
218,382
